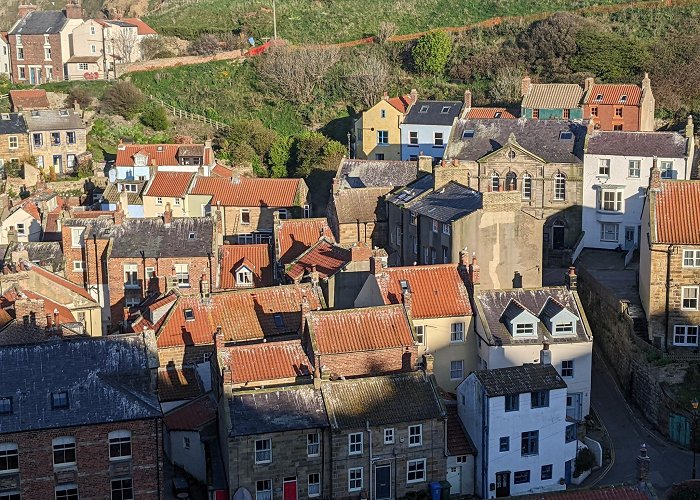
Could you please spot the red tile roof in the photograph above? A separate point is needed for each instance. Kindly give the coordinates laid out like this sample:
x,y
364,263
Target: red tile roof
x,y
437,291
58,280
401,103
29,99
143,28
606,493
325,255
161,154
248,192
50,307
178,383
295,236
486,113
612,92
32,210
169,184
267,361
362,329
677,213
242,315
90,214
191,416
220,170
256,258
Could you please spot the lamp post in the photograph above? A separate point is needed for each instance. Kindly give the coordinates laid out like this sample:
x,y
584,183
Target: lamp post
x,y
349,149
694,403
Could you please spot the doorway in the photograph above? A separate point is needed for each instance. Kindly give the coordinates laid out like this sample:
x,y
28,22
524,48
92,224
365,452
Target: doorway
x,y
629,237
289,491
573,405
454,476
502,484
58,164
382,482
558,232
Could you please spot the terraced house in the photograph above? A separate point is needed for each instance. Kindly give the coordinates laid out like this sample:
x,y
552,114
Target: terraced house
x,y
14,142
56,138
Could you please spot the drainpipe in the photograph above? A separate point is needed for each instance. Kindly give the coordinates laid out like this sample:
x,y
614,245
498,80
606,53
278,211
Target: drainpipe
x,y
369,432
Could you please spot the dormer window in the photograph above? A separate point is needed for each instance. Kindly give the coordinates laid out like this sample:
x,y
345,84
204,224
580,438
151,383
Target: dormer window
x,y
623,99
244,277
524,329
279,320
599,97
566,328
140,160
497,114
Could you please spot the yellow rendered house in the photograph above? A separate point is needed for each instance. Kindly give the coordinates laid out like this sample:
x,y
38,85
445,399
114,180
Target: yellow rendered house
x,y
377,133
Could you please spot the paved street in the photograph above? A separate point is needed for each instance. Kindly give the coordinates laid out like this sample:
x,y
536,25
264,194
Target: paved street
x,y
669,464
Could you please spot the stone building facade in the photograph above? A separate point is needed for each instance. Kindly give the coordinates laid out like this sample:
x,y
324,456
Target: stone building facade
x,y
14,141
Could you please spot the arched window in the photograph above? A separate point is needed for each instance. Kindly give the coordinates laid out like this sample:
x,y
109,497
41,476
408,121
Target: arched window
x,y
511,181
527,187
560,187
495,182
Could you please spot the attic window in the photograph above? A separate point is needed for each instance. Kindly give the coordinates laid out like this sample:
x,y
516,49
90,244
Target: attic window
x,y
566,328
5,406
599,97
404,286
623,98
189,315
59,400
191,236
130,188
566,135
159,148
524,329
279,321
467,134
445,110
497,114
63,112
423,109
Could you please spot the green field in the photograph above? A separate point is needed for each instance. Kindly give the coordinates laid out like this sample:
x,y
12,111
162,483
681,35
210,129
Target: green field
x,y
330,21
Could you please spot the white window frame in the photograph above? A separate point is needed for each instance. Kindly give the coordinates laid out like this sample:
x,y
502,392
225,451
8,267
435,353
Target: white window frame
x,y
355,446
559,186
420,334
119,439
355,479
686,332
634,168
150,273
247,212
21,229
62,444
264,493
690,294
606,235
446,228
457,373
383,137
182,274
611,200
78,266
527,187
415,435
666,169
691,258
131,275
159,201
83,66
564,328
524,329
313,444
177,202
264,454
457,332
244,277
389,435
13,142
9,450
314,485
415,468
604,167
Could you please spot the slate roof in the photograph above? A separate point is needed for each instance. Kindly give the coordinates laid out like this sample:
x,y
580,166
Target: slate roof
x,y
153,237
542,138
191,416
169,184
437,291
47,254
111,193
612,92
553,96
246,192
284,409
362,204
361,329
433,115
29,99
376,173
260,362
328,258
411,191
644,144
295,236
449,203
495,306
255,256
40,22
677,209
458,440
519,379
12,123
106,379
486,113
178,383
382,400
53,119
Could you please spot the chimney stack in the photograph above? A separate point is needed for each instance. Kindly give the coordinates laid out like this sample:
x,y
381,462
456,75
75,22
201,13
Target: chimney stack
x,y
428,362
218,339
359,252
475,272
588,83
643,463
545,355
31,311
570,279
376,265
689,128
205,289
646,82
655,176
413,96
167,215
24,9
425,164
525,86
313,274
467,100
407,298
74,10
517,280
385,96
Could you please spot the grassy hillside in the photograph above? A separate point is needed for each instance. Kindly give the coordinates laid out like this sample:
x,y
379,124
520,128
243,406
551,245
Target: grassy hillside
x,y
328,21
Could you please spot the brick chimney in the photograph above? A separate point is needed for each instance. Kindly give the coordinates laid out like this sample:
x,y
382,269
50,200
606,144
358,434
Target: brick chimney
x,y
545,355
643,463
655,176
525,86
570,280
18,256
218,339
204,287
475,271
467,100
359,252
118,216
425,164
167,215
407,299
30,311
74,10
428,362
376,265
413,96
24,9
588,83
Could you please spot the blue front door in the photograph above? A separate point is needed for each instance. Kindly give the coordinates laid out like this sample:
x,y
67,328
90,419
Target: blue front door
x,y
567,471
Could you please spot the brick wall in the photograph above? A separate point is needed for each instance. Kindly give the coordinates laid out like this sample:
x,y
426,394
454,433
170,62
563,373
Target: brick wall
x,y
33,47
33,309
369,362
607,120
93,254
184,355
36,471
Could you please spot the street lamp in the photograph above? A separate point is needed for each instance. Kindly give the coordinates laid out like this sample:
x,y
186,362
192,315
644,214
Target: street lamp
x,y
694,403
349,149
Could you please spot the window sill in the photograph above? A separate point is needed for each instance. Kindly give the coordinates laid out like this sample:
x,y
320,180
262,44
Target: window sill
x,y
413,145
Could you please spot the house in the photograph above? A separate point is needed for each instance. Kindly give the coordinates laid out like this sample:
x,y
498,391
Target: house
x,y
167,189
141,161
4,55
14,142
615,106
45,254
247,207
56,138
358,342
376,131
426,128
512,325
356,209
542,160
293,237
178,385
470,112
23,224
521,405
40,43
71,431
381,446
669,262
437,301
245,266
461,454
551,101
128,195
616,174
28,100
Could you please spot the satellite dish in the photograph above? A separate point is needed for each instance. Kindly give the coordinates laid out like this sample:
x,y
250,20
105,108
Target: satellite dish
x,y
242,494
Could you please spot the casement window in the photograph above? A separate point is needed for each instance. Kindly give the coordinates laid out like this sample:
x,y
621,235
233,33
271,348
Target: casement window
x,y
438,140
567,368
512,402
446,229
457,332
382,113
78,266
55,138
150,274
691,258
604,167
420,334
59,400
539,399
244,277
389,435
131,188
413,138
535,114
415,435
140,160
119,445
685,335
527,186
263,489
524,329
382,137
245,239
159,201
355,481
21,230
20,53
609,232
570,434
182,274
122,489
38,139
503,444
63,451
22,72
355,443
495,182
47,53
566,328
314,485
633,168
177,202
530,443
666,170
610,200
245,216
5,406
415,471
66,492
131,275
13,142
263,451
689,298
9,457
92,30
559,187
313,444
457,369
83,66
546,472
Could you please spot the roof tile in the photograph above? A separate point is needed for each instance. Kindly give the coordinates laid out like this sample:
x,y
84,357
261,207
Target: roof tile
x,y
170,184
295,236
677,213
327,257
267,361
485,113
29,99
255,256
191,416
612,92
246,192
553,96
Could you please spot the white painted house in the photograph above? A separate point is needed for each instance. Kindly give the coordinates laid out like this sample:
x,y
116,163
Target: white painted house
x,y
426,129
4,55
517,419
512,325
22,225
615,177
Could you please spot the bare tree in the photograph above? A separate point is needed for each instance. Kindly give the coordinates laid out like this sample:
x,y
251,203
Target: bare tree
x,y
387,29
506,85
367,78
123,43
297,72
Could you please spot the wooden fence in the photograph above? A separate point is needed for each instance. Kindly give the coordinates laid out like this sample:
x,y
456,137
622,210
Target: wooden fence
x,y
181,113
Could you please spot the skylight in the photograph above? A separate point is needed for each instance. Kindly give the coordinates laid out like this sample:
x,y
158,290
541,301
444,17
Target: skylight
x,y
599,97
423,109
623,98
189,315
191,236
445,110
566,135
467,134
497,114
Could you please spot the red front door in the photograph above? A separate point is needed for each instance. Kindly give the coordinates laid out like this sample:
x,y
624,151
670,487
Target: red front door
x,y
290,488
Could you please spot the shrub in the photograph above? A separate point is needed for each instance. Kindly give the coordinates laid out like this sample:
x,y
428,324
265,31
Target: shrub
x,y
278,157
431,52
205,45
123,98
82,95
585,460
85,169
155,117
609,56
